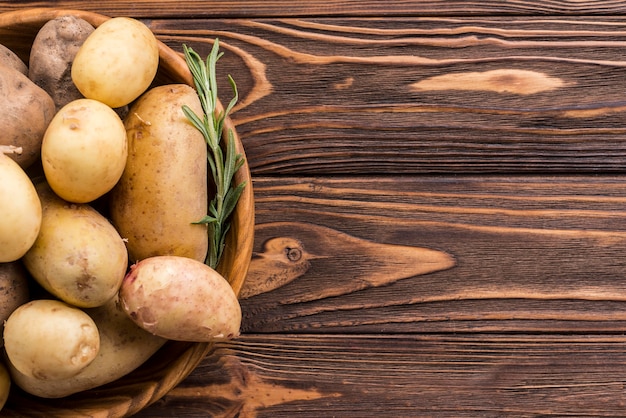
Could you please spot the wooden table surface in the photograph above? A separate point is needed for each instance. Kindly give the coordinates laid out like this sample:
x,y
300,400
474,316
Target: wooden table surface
x,y
440,200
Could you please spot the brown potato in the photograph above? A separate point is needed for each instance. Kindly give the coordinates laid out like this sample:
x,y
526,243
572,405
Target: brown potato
x,y
163,189
25,112
52,55
13,290
5,385
10,59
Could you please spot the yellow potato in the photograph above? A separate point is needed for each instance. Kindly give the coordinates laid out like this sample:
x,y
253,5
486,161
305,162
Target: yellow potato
x,y
49,339
163,189
84,150
20,211
180,299
78,256
117,62
123,347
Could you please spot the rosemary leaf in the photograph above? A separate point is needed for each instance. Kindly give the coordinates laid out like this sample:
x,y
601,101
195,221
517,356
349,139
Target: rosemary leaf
x,y
223,164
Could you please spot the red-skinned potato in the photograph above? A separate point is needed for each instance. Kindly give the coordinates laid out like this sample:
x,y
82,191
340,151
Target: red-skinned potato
x,y
181,299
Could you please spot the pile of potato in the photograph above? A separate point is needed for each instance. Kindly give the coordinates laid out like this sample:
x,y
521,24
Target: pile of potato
x,y
102,179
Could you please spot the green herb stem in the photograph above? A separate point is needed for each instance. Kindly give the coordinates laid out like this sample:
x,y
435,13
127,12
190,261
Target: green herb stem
x,y
222,167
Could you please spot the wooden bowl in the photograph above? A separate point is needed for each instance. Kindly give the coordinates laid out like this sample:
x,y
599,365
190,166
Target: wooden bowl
x,y
172,363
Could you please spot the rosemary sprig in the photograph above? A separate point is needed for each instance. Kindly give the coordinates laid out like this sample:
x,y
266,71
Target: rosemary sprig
x,y
223,161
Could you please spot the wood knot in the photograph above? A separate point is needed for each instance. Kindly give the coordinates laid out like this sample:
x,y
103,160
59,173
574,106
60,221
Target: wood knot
x,y
293,254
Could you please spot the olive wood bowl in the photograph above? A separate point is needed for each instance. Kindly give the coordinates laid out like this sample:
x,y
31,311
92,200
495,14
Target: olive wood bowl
x,y
175,360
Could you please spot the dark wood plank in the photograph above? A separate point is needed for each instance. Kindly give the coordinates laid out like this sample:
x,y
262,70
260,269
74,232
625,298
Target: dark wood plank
x,y
472,95
422,95
404,375
434,254
256,8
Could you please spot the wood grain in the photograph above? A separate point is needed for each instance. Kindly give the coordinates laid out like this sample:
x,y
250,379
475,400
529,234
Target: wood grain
x,y
415,95
525,254
330,96
256,8
405,376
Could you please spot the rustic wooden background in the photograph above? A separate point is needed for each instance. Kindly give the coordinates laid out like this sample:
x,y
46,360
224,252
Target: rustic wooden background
x,y
440,200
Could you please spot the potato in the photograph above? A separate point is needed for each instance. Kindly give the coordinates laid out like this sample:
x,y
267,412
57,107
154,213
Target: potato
x,y
84,150
180,299
52,55
123,347
49,339
10,59
13,291
25,112
163,189
117,62
5,385
20,211
78,256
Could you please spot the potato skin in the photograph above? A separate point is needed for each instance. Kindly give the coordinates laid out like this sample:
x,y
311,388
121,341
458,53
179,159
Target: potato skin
x,y
180,299
10,59
20,211
14,290
117,62
78,256
25,113
52,55
49,339
84,150
163,188
123,347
